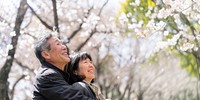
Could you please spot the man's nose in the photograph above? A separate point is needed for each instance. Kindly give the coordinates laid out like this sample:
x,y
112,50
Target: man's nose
x,y
64,46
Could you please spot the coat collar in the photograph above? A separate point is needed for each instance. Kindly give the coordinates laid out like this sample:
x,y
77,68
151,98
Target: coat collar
x,y
64,74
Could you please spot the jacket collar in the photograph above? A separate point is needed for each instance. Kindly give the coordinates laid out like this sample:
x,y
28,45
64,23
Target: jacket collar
x,y
64,74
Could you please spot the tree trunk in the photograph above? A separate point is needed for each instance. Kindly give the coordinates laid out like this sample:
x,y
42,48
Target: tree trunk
x,y
5,70
55,17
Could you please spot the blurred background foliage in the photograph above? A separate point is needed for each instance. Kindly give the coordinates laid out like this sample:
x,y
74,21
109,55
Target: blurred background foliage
x,y
143,12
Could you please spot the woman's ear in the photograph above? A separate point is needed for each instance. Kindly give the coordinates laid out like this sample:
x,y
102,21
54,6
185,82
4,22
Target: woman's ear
x,y
45,54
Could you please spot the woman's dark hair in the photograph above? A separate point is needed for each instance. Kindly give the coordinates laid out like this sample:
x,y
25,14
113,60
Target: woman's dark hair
x,y
74,64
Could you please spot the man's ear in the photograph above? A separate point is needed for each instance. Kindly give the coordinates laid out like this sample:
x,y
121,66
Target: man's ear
x,y
45,54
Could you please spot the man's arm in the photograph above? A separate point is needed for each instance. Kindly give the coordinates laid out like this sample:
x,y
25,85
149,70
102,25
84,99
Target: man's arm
x,y
52,86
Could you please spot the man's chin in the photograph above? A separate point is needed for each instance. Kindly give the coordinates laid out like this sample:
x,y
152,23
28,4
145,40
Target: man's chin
x,y
67,60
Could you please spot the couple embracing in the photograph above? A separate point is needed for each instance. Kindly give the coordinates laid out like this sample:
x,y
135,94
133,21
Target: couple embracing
x,y
63,77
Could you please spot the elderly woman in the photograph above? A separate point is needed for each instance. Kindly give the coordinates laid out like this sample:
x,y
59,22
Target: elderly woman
x,y
82,71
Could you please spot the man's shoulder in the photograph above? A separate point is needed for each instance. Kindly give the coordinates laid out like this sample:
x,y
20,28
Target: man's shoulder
x,y
49,75
45,71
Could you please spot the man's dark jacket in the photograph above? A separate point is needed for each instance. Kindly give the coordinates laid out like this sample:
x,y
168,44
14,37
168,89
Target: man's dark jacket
x,y
51,84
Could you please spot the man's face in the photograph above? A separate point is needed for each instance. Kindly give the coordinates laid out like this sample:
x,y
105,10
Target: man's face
x,y
58,52
87,69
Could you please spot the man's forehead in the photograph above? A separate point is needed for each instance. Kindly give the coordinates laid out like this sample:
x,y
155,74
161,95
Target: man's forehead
x,y
57,40
54,39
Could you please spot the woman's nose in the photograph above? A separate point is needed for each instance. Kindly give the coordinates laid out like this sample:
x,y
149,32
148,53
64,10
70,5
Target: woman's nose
x,y
91,65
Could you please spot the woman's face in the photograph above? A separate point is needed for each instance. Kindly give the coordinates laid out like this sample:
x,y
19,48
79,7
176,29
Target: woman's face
x,y
87,69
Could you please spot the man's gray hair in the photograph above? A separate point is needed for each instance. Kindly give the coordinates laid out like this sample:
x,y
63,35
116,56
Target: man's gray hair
x,y
42,45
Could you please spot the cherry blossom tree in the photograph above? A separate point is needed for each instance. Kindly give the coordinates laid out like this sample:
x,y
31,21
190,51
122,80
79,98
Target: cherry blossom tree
x,y
74,21
175,25
120,45
5,70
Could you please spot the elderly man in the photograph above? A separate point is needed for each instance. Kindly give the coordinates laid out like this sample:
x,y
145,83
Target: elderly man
x,y
51,79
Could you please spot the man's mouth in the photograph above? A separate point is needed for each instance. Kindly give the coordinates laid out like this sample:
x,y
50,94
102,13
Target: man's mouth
x,y
65,54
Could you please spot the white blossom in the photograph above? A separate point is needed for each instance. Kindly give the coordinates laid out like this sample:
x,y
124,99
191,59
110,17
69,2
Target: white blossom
x,y
164,13
9,47
186,46
166,33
